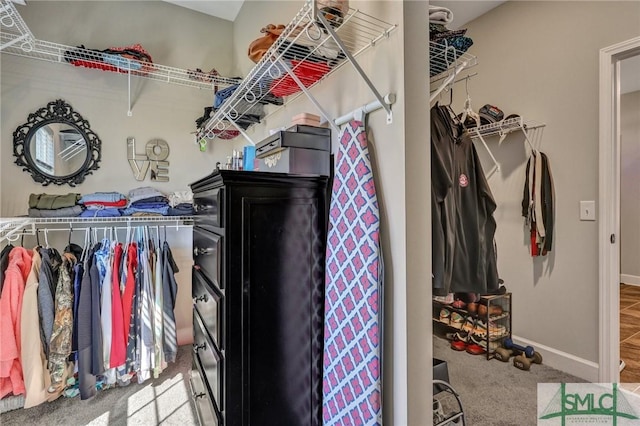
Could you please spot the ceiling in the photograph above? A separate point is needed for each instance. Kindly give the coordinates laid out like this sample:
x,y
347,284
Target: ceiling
x,y
225,9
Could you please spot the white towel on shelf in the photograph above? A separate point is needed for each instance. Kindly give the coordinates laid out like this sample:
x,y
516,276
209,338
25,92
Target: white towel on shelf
x,y
440,15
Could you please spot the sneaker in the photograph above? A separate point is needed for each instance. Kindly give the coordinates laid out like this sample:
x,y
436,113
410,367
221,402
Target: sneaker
x,y
475,349
456,320
468,325
445,315
495,330
473,339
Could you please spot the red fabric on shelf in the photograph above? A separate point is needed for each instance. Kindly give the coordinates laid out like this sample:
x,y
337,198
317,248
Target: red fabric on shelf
x,y
308,72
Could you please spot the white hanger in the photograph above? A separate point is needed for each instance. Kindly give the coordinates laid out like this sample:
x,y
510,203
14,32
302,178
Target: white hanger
x,y
468,111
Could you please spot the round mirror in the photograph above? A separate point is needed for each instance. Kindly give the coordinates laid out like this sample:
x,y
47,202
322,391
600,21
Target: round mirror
x,y
56,145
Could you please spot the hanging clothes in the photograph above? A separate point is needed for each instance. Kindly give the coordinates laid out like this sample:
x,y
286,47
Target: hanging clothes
x,y
11,377
78,273
170,292
4,263
34,363
46,292
118,354
158,316
62,334
147,358
104,260
538,203
87,381
130,307
353,289
442,236
465,227
97,362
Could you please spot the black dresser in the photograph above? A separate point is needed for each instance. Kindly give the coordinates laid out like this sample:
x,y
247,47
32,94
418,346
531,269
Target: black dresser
x,y
258,297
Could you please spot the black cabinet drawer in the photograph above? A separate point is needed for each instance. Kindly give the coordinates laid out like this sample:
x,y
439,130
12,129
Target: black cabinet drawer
x,y
209,303
207,412
207,206
207,255
209,358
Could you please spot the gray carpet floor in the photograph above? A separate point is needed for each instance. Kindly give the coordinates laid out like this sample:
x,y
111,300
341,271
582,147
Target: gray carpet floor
x,y
163,401
494,393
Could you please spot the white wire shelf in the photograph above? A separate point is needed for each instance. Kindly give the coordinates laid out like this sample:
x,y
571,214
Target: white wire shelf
x,y
119,219
12,23
16,39
311,48
443,59
503,127
11,228
59,53
445,63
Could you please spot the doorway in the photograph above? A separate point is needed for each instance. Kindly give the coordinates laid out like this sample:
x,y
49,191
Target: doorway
x,y
609,209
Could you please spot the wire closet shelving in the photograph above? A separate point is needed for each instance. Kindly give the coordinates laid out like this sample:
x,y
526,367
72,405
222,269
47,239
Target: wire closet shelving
x,y
309,49
17,39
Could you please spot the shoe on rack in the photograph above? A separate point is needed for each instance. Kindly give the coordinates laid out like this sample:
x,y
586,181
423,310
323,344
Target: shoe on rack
x,y
495,330
445,315
459,304
475,349
493,345
483,310
468,325
456,320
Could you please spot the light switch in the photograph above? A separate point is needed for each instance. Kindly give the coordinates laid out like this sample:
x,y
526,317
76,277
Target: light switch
x,y
587,210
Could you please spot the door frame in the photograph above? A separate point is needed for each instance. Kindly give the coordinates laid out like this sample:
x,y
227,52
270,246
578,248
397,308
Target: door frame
x,y
609,208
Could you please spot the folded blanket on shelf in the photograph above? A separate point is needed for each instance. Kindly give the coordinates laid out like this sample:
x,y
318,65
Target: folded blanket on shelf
x,y
180,197
131,211
148,200
143,192
121,203
104,212
183,209
61,212
53,201
102,197
438,32
440,15
142,205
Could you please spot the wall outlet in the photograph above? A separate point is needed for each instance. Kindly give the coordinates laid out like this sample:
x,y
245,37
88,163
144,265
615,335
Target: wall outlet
x,y
587,210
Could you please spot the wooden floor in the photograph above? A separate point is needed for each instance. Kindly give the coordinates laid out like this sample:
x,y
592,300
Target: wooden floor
x,y
630,332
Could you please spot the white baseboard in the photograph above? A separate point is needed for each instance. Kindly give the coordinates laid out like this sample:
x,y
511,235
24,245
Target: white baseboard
x,y
630,279
579,367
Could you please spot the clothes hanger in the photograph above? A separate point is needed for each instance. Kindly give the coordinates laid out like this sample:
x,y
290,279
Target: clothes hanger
x,y
468,111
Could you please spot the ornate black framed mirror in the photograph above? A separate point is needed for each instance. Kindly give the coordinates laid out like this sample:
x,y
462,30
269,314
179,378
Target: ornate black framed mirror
x,y
56,145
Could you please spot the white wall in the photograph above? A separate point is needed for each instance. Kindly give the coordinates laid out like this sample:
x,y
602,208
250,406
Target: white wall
x,y
173,36
540,60
630,188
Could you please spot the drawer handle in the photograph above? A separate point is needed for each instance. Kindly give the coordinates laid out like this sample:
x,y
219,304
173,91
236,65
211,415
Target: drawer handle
x,y
197,347
199,395
202,207
199,251
202,298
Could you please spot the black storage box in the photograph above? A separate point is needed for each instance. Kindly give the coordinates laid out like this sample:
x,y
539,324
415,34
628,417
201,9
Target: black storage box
x,y
295,152
440,372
